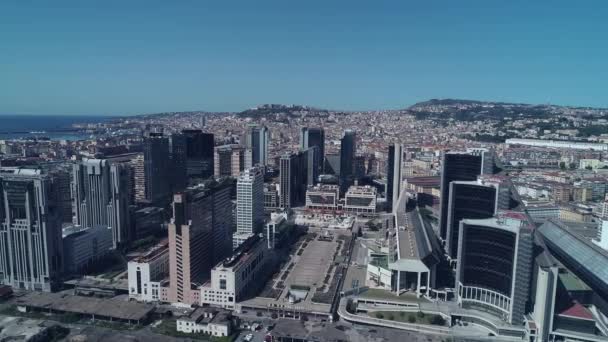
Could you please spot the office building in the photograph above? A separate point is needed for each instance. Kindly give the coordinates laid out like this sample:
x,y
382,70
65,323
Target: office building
x,y
277,229
30,234
322,197
101,191
147,272
178,162
494,265
84,247
394,175
313,165
360,200
310,137
240,276
199,234
347,156
199,153
231,160
292,180
602,231
456,166
332,164
468,200
271,197
138,179
257,139
250,201
157,168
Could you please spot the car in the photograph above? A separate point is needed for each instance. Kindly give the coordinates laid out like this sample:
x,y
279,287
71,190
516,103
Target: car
x,y
248,337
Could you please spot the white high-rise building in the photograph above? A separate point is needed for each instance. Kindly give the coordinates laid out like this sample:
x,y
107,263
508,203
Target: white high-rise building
x,y
249,202
30,230
602,231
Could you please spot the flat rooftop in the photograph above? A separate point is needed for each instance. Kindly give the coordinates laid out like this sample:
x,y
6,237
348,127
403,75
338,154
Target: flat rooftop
x,y
119,309
312,266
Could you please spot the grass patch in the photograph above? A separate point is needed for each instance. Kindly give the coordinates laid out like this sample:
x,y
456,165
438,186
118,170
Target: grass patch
x,y
408,317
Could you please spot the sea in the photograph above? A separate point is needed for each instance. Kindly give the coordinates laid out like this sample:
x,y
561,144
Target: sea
x,y
54,127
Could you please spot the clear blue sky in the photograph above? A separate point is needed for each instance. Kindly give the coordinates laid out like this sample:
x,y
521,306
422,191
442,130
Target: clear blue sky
x,y
130,57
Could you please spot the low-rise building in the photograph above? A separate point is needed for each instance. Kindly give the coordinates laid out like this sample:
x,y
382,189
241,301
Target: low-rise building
x,y
360,200
146,273
322,197
214,322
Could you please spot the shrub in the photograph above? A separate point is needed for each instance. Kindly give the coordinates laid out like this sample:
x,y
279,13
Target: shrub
x,y
437,320
420,314
379,315
411,319
391,317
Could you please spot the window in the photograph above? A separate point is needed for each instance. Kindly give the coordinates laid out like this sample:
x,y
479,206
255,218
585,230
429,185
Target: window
x,y
222,284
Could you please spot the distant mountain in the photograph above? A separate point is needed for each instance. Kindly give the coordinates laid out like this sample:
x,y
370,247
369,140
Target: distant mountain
x,y
469,110
278,110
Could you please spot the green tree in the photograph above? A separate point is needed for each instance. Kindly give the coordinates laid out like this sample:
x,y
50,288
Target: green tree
x,y
411,319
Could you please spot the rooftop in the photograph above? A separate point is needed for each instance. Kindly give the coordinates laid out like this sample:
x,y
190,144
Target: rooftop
x,y
86,305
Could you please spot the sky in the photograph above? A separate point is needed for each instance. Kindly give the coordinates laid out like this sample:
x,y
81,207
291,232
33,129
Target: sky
x,y
133,57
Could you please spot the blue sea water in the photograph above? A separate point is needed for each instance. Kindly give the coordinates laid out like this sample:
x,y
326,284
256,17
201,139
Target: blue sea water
x,y
22,126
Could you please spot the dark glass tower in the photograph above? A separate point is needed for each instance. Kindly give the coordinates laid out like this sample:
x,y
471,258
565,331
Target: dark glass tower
x,y
257,140
157,167
293,178
310,137
199,153
178,157
468,200
347,156
457,166
393,175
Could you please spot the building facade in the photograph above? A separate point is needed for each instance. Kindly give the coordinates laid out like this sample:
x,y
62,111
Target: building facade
x,y
30,231
147,272
101,191
494,265
394,175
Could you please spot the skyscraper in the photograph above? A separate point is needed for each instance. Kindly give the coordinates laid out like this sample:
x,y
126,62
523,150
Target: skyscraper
x,y
30,231
456,166
495,264
157,167
394,175
257,139
468,200
310,137
292,180
199,236
250,201
101,191
347,156
178,159
199,151
231,160
313,165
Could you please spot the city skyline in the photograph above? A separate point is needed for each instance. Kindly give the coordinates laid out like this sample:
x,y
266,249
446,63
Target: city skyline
x,y
132,59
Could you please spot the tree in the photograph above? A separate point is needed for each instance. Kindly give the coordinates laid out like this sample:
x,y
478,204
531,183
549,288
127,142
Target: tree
x,y
411,319
562,165
420,314
379,315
